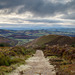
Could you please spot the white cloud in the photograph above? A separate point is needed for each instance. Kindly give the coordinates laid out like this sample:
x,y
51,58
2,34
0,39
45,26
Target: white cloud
x,y
27,20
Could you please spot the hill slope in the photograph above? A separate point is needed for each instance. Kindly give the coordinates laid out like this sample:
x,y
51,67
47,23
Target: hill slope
x,y
52,40
8,41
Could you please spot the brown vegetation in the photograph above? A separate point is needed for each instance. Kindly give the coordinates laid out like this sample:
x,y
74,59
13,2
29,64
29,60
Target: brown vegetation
x,y
63,57
10,56
52,40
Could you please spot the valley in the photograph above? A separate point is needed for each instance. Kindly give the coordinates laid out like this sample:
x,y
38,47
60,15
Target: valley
x,y
25,36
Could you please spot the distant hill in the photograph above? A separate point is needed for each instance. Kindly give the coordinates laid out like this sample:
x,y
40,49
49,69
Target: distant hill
x,y
2,31
22,36
52,40
8,41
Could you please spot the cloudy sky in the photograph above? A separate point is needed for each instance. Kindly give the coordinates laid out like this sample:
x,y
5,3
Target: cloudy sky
x,y
37,13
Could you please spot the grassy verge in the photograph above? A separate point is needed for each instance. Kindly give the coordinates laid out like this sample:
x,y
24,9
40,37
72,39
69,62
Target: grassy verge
x,y
63,58
10,58
62,67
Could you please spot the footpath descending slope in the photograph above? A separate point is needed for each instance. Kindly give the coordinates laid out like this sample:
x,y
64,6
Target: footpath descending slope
x,y
36,65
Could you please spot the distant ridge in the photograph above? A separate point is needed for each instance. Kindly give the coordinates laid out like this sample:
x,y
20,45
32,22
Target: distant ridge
x,y
52,40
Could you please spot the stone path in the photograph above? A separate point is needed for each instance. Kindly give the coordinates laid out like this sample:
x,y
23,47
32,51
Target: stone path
x,y
36,65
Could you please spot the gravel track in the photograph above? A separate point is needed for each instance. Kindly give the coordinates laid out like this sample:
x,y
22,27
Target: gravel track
x,y
36,65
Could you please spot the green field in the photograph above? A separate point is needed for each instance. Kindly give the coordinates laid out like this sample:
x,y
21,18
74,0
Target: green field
x,y
23,41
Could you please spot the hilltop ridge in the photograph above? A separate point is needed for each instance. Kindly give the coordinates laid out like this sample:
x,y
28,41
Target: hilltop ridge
x,y
52,40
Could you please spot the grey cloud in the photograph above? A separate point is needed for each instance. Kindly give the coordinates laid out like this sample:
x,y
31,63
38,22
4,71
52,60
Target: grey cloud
x,y
38,20
10,3
45,21
41,8
37,7
69,16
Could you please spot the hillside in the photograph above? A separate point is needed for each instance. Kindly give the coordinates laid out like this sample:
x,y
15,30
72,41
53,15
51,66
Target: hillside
x,y
4,40
2,31
52,40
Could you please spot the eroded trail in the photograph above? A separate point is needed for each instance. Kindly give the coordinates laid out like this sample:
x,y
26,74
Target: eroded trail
x,y
36,65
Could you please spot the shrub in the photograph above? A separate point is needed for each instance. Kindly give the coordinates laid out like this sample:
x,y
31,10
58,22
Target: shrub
x,y
4,60
14,55
16,60
73,45
19,50
4,45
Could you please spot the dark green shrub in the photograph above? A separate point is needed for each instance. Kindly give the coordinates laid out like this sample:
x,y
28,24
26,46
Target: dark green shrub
x,y
4,60
73,45
4,45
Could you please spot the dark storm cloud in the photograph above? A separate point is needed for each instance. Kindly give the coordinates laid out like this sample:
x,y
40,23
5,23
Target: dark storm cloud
x,y
38,7
70,8
10,3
